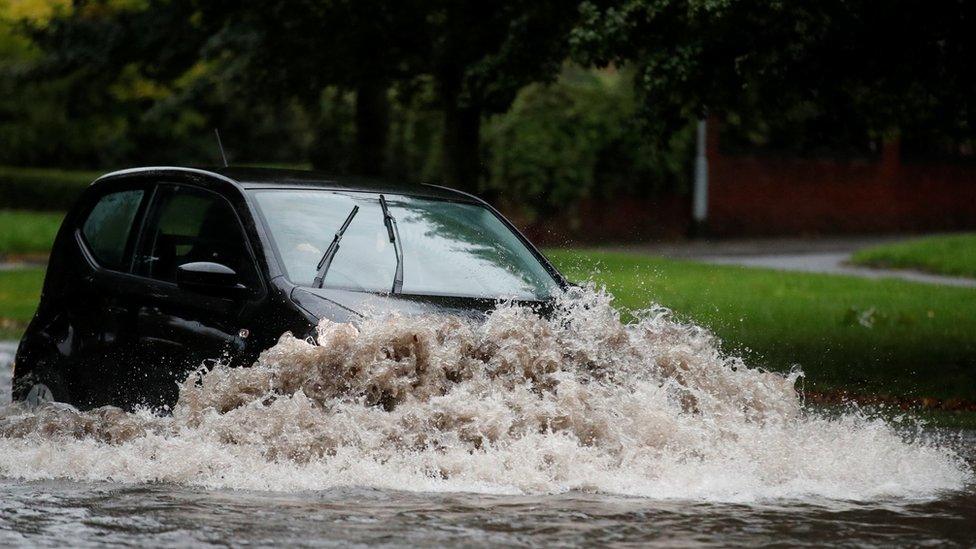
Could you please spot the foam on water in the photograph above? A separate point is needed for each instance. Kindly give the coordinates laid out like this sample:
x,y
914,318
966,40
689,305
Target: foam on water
x,y
515,404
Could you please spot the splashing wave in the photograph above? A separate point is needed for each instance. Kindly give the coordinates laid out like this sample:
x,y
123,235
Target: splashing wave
x,y
519,403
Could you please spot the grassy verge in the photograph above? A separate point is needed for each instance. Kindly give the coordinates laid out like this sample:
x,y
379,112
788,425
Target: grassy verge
x,y
23,233
953,255
865,336
19,292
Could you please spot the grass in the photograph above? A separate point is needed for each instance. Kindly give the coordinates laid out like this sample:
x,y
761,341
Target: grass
x,y
866,336
19,293
953,255
23,233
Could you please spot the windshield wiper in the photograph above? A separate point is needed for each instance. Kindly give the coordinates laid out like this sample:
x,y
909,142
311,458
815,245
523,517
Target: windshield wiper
x,y
394,233
326,261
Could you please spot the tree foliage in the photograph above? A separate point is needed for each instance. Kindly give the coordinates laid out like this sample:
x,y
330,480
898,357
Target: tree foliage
x,y
475,56
123,82
892,65
482,53
476,93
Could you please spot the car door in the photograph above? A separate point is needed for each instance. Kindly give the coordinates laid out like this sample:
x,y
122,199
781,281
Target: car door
x,y
179,330
98,337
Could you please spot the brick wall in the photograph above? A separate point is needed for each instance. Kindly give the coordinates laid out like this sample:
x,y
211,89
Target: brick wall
x,y
762,195
621,219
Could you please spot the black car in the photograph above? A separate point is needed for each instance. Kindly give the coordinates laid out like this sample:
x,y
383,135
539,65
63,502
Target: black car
x,y
157,271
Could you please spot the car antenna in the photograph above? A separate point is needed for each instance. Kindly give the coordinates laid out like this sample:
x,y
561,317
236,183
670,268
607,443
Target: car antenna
x,y
221,147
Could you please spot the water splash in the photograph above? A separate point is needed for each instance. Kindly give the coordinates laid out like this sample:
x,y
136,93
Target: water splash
x,y
518,403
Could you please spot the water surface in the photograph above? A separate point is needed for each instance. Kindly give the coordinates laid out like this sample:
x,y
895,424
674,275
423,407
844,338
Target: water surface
x,y
93,513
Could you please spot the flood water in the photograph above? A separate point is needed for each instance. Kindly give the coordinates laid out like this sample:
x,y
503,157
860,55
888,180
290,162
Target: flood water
x,y
92,513
517,432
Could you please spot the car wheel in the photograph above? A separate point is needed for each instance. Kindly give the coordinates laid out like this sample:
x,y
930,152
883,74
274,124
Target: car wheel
x,y
38,395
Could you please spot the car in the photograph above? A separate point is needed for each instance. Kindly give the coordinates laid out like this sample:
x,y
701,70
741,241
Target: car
x,y
158,271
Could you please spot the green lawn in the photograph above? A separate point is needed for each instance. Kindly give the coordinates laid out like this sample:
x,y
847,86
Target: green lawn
x,y
944,254
27,232
867,336
19,292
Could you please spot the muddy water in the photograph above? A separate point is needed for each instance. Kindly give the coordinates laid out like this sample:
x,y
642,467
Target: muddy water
x,y
576,429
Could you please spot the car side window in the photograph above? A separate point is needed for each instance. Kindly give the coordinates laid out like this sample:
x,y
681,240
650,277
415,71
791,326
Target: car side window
x,y
108,227
193,225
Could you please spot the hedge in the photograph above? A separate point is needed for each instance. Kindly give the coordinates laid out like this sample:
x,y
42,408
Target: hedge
x,y
41,189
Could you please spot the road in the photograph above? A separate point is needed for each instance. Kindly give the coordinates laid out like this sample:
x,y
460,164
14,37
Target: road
x,y
822,255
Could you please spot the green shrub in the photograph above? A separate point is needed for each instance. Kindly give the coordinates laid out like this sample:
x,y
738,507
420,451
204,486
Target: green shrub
x,y
41,189
580,138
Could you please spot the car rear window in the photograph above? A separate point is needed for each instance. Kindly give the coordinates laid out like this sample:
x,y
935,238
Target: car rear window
x,y
108,226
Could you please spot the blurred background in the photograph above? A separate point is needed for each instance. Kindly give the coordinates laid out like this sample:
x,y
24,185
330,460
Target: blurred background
x,y
798,178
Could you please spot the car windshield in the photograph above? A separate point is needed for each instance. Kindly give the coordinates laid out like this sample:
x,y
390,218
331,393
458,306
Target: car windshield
x,y
449,248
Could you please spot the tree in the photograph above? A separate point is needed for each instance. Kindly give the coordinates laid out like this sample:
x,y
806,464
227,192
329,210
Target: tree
x,y
894,65
258,53
481,55
475,55
301,47
132,73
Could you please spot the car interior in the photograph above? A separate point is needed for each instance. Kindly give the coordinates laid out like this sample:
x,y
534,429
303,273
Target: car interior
x,y
195,226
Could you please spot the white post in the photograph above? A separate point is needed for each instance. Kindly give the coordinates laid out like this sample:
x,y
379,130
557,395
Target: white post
x,y
699,211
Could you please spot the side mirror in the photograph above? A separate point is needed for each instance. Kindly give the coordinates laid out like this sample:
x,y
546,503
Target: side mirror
x,y
209,278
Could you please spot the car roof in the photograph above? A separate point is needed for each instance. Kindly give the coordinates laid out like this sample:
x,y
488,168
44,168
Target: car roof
x,y
276,178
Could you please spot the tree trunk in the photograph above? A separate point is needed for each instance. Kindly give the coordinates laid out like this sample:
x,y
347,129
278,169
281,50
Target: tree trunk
x,y
372,128
462,146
